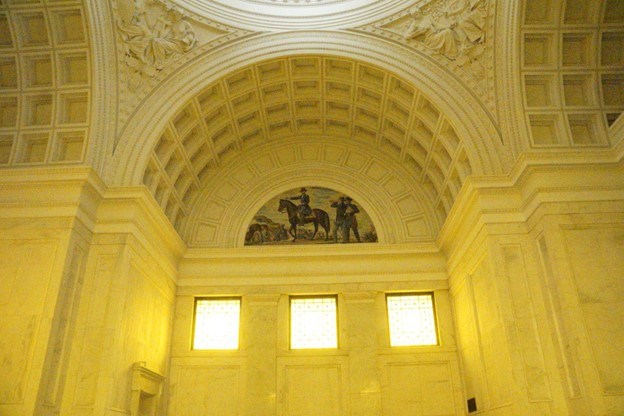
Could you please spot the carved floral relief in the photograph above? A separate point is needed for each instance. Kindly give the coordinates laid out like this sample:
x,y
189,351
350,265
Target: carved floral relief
x,y
455,29
154,36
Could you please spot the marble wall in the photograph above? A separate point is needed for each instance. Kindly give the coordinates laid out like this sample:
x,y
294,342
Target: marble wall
x,y
86,290
597,265
125,312
43,246
125,318
527,278
364,376
32,262
583,264
501,352
537,293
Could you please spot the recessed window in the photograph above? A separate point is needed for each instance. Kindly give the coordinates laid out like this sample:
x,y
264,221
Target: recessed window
x,y
313,322
411,319
217,323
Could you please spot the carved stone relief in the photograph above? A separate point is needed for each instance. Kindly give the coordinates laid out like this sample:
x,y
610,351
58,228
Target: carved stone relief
x,y
154,36
454,29
454,32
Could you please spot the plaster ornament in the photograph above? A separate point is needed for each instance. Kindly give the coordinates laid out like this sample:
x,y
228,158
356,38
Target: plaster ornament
x,y
420,25
453,32
152,41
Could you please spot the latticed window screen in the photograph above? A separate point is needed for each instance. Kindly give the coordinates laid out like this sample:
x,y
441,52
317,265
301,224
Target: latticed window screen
x,y
216,324
411,319
313,322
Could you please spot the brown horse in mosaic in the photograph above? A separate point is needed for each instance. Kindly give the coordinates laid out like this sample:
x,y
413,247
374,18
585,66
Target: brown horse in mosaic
x,y
318,217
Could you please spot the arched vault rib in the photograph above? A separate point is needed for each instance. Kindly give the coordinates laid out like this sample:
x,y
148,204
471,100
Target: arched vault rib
x,y
470,119
439,142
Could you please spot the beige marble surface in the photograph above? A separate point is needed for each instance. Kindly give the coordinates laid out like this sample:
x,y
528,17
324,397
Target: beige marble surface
x,y
526,276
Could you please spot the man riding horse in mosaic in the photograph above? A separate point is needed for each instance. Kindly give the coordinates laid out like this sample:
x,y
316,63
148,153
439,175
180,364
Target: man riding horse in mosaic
x,y
303,209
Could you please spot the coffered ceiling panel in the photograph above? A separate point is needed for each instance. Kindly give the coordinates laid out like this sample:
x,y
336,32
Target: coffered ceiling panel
x,y
45,82
359,106
572,65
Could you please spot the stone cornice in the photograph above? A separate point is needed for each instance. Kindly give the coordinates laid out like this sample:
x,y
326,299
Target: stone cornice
x,y
365,249
348,263
51,192
568,180
132,210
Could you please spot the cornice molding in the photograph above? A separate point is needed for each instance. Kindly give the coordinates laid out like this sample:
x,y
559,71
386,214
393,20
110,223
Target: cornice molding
x,y
567,181
132,210
341,264
51,192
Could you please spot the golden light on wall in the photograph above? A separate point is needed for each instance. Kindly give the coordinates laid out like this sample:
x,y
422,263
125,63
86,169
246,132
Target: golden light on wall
x,y
313,322
411,319
217,322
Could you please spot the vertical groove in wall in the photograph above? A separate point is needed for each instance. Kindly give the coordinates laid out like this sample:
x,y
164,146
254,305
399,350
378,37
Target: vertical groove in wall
x,y
553,304
524,325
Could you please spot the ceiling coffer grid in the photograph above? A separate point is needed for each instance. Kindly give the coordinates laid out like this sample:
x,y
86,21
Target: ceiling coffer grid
x,y
44,83
572,70
299,96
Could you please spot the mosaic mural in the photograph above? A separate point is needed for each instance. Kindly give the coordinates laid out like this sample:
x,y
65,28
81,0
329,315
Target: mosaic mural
x,y
310,216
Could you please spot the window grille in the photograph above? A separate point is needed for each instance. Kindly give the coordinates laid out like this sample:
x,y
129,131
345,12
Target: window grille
x,y
217,322
313,322
411,319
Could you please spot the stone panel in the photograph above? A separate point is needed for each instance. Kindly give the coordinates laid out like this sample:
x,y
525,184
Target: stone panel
x,y
527,339
27,267
566,350
469,349
206,390
597,259
415,389
492,334
16,349
310,390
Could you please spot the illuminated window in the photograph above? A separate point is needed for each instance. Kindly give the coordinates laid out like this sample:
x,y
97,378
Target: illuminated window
x,y
313,322
216,323
411,319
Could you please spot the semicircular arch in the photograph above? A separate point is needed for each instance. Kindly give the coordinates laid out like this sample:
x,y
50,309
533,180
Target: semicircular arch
x,y
471,120
224,207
